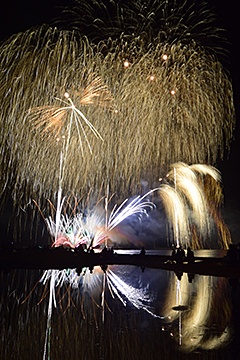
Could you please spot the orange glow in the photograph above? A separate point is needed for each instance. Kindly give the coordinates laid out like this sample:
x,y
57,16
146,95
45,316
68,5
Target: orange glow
x,y
173,92
165,57
66,95
152,77
116,111
126,63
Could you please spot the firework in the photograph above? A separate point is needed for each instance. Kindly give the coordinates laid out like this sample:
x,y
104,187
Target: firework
x,y
192,200
79,225
77,230
32,107
189,211
170,104
150,21
53,118
188,185
153,106
133,106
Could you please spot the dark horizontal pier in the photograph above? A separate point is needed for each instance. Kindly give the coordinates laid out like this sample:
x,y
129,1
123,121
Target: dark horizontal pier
x,y
61,258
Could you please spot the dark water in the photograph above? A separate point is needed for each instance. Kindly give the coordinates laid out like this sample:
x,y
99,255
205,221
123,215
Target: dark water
x,y
142,321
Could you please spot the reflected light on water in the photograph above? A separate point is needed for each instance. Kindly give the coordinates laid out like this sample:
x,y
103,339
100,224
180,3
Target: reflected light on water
x,y
145,312
196,326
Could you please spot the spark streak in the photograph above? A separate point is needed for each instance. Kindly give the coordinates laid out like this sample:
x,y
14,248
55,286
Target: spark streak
x,y
196,123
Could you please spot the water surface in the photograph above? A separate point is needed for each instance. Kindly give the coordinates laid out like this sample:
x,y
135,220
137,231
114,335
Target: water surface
x,y
124,314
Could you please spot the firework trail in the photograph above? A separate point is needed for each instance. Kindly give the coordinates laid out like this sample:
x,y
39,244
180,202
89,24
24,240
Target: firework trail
x,y
39,68
75,230
187,184
53,117
153,93
188,207
79,225
192,201
152,22
172,102
72,231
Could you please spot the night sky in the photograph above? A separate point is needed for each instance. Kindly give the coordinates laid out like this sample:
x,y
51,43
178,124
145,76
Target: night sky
x,y
16,16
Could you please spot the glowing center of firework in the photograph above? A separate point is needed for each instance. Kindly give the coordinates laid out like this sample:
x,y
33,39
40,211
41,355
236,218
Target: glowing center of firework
x,y
173,92
126,63
152,77
66,95
165,57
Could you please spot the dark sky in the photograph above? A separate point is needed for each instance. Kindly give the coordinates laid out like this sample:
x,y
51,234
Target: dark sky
x,y
21,15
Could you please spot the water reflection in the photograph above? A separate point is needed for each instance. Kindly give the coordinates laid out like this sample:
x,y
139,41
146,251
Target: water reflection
x,y
203,322
147,315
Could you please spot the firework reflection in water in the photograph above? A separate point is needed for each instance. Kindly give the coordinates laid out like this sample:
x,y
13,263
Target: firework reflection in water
x,y
190,325
76,231
91,231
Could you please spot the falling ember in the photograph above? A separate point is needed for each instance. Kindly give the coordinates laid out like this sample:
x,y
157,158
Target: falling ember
x,y
59,66
173,92
152,77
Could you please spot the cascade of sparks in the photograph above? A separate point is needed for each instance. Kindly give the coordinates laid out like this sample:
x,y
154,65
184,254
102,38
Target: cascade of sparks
x,y
76,230
73,232
155,96
185,204
188,206
91,229
172,92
